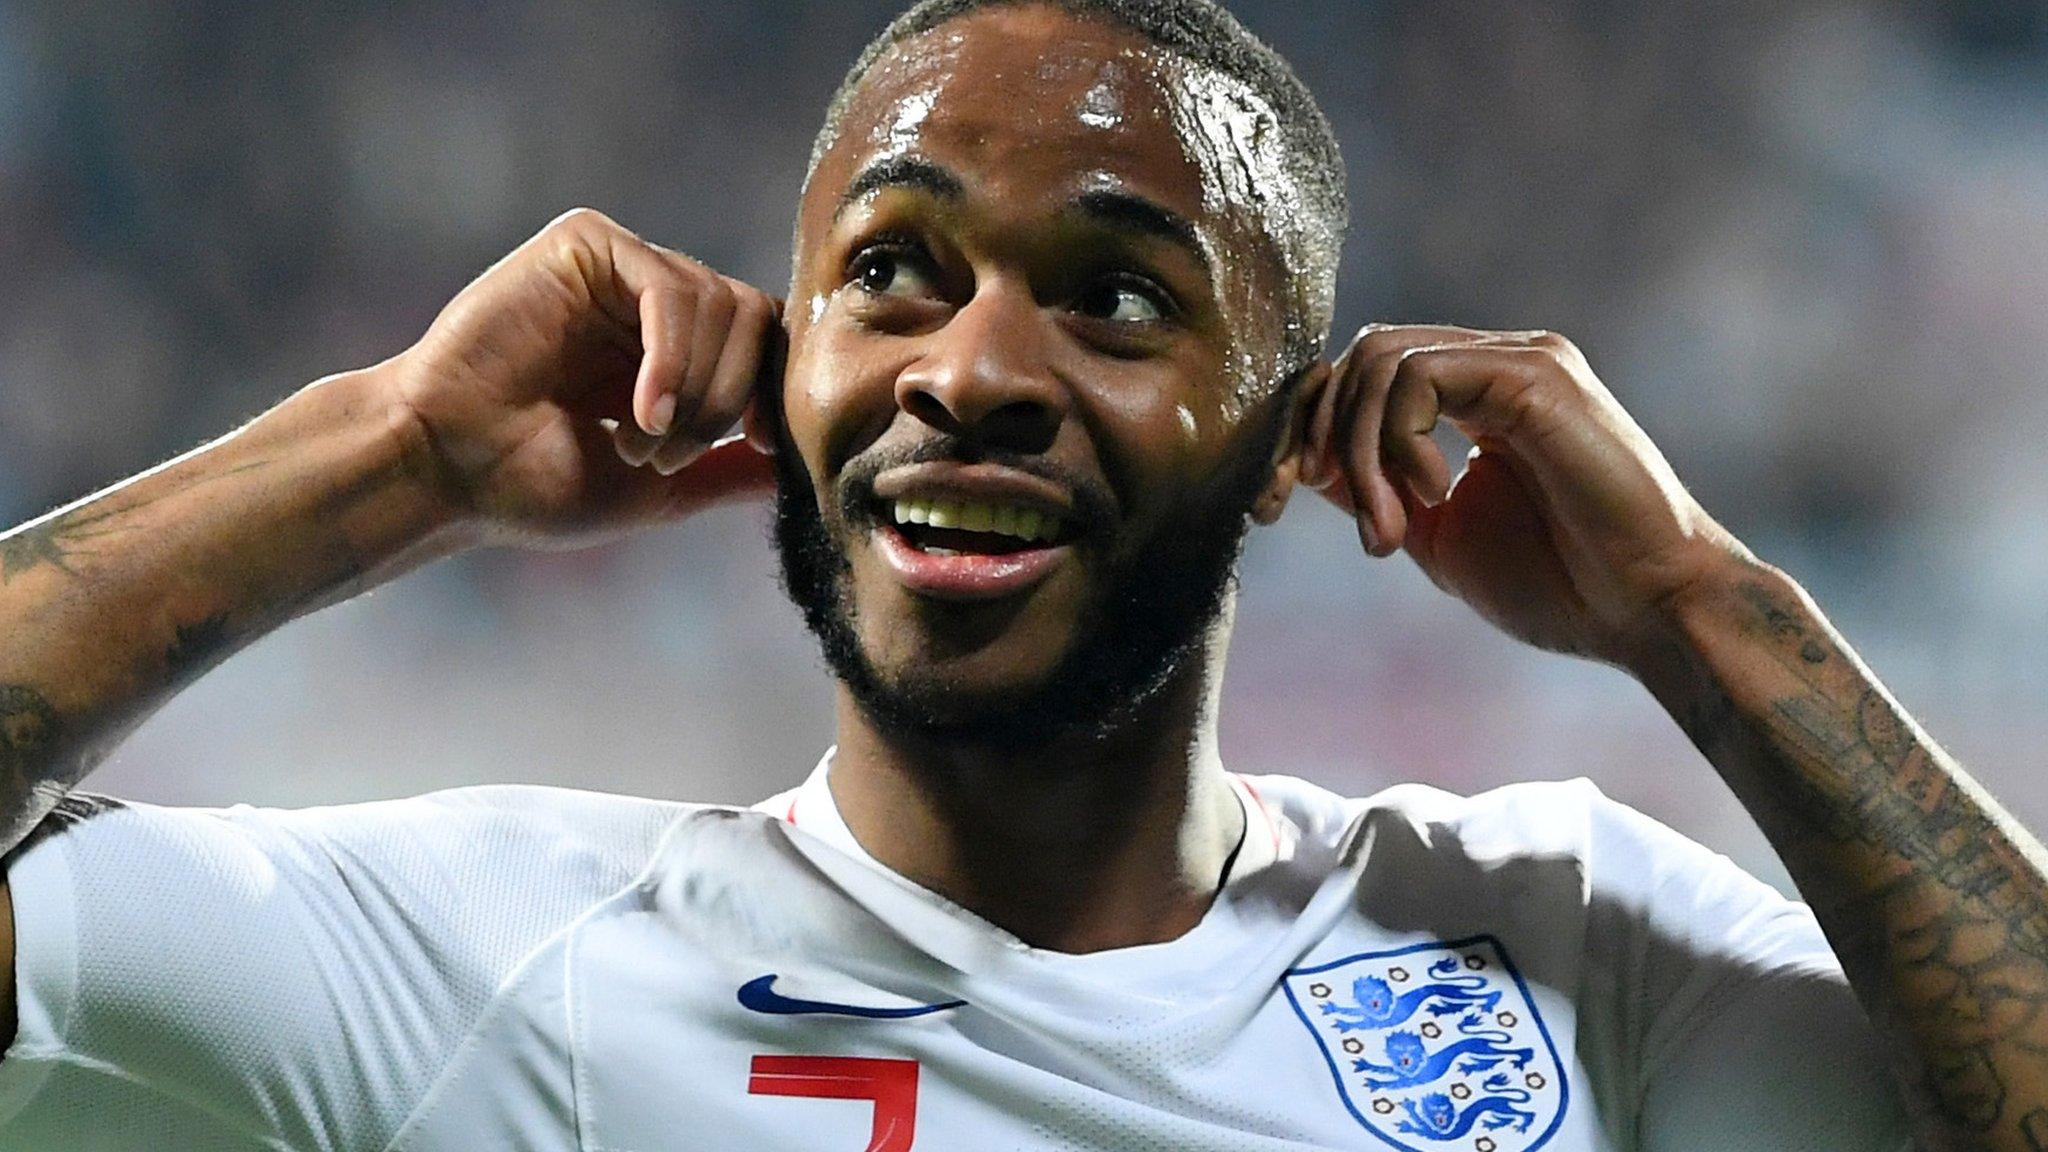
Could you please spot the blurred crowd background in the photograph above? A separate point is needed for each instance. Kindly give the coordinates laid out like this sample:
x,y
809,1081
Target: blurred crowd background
x,y
1806,242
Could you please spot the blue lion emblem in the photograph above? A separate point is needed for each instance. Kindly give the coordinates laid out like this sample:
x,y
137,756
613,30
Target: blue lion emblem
x,y
1410,1062
1377,1007
1435,1116
1436,1046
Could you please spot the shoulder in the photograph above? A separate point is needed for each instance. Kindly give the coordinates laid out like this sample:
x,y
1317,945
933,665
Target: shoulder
x,y
475,876
245,958
516,826
1532,818
1617,855
522,826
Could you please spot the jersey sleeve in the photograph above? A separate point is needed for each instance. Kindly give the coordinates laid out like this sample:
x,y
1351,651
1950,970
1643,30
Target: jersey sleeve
x,y
250,978
1730,1018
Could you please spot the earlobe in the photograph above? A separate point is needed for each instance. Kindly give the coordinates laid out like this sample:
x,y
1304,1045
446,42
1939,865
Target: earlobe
x,y
1304,394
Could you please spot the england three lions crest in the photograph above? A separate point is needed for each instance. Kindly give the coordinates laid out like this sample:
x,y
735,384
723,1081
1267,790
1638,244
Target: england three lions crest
x,y
1436,1046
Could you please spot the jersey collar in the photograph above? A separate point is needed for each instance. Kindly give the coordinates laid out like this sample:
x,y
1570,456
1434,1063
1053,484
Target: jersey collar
x,y
811,808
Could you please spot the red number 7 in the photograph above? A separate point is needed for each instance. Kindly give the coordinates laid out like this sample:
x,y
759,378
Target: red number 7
x,y
891,1084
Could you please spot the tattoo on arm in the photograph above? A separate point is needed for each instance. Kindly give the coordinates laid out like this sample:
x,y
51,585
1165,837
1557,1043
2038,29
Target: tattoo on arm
x,y
1944,920
53,542
196,646
29,731
57,541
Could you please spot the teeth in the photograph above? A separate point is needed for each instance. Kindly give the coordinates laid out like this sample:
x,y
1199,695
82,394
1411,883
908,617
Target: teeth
x,y
1006,519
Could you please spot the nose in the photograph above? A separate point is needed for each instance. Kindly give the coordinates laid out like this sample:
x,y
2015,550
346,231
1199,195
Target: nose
x,y
985,376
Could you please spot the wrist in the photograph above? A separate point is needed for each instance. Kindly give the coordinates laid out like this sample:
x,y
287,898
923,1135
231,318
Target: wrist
x,y
420,475
1727,646
381,491
1703,615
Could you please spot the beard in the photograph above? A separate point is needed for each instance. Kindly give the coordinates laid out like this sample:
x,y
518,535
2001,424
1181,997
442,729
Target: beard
x,y
1149,621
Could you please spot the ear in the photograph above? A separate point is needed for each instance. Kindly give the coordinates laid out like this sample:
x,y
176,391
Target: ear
x,y
1302,396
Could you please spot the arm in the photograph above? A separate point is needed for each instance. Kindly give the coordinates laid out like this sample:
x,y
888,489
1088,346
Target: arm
x,y
1570,531
110,606
527,414
1933,897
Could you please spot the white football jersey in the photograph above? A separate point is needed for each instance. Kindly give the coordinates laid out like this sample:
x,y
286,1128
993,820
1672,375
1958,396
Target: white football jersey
x,y
542,970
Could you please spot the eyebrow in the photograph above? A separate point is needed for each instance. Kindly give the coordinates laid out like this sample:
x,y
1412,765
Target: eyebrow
x,y
1118,211
901,172
1125,212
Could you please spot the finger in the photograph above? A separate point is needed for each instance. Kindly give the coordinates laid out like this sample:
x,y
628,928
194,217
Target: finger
x,y
1375,358
1375,503
1580,449
1491,387
755,427
665,310
729,470
1407,439
1316,470
664,342
1425,523
1419,464
713,325
740,361
632,443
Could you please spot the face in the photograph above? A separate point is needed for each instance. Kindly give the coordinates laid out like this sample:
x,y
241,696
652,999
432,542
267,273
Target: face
x,y
1031,400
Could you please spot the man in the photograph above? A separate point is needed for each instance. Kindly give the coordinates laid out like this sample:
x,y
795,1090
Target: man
x,y
1063,276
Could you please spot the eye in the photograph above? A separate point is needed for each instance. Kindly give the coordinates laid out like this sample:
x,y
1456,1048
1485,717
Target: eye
x,y
1123,300
892,269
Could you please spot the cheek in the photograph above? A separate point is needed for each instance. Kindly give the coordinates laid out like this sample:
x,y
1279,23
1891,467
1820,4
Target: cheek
x,y
837,396
1158,424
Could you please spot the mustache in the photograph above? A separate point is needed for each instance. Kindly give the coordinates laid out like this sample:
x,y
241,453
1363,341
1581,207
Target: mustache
x,y
1095,507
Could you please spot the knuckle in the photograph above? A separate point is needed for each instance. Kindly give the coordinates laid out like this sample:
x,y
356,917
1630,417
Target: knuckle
x,y
581,219
691,270
1379,340
1410,360
719,297
753,304
1530,398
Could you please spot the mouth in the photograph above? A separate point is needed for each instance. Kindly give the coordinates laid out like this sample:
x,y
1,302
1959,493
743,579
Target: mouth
x,y
975,532
970,550
947,528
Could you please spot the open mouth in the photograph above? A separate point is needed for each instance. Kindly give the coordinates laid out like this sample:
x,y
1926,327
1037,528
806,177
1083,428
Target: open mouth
x,y
952,528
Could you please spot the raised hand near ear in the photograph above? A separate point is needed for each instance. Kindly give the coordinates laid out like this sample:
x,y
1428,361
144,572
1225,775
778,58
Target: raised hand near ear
x,y
580,387
1567,529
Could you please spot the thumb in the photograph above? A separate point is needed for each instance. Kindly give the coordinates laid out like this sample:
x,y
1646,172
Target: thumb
x,y
728,471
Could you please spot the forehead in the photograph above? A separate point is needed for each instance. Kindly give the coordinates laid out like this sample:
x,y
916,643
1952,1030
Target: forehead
x,y
1032,103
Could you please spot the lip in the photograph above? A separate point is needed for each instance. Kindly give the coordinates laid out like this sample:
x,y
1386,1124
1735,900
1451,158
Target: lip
x,y
969,576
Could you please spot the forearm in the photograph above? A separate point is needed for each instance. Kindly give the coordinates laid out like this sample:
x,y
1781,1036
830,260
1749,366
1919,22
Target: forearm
x,y
111,605
1934,898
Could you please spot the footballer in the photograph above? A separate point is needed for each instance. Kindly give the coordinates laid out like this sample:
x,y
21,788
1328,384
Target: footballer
x,y
1056,339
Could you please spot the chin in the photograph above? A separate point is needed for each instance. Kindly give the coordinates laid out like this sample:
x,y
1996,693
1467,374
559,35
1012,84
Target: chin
x,y
964,659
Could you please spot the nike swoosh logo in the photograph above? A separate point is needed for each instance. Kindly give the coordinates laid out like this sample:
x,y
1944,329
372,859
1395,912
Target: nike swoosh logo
x,y
759,995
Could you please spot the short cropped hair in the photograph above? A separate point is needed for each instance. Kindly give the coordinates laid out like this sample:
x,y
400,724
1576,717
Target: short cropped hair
x,y
1305,229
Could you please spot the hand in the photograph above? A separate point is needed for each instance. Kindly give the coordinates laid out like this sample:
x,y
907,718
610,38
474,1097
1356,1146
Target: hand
x,y
1567,529
545,390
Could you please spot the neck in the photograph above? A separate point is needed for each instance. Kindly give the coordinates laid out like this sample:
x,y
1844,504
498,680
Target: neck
x,y
1077,846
